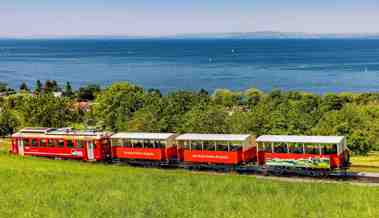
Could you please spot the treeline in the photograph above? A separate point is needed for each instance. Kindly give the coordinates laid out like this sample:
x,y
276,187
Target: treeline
x,y
126,107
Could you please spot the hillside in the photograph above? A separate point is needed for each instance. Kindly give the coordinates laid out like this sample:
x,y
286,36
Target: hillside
x,y
34,187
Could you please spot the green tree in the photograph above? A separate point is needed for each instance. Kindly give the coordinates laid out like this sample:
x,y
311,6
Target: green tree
x,y
145,120
240,123
3,87
331,102
176,104
38,87
227,98
49,87
68,90
46,110
252,96
205,119
8,122
115,106
24,87
351,121
88,93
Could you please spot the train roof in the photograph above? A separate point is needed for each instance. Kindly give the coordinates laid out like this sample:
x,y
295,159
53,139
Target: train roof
x,y
42,131
143,135
212,137
302,139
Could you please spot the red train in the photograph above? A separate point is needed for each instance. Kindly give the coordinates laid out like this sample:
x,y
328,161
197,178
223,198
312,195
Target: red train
x,y
268,151
62,143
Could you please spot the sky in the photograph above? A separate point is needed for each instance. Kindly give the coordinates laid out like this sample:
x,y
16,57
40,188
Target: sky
x,y
167,17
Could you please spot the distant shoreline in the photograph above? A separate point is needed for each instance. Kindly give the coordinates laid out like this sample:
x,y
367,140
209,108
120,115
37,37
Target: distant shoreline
x,y
235,35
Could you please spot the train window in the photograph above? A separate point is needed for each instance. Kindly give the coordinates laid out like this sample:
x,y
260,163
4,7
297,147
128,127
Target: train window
x,y
296,148
69,143
329,149
266,147
280,148
26,142
60,143
51,143
160,144
34,142
222,146
117,142
197,145
148,144
79,144
312,149
43,142
137,143
235,146
209,146
127,143
184,144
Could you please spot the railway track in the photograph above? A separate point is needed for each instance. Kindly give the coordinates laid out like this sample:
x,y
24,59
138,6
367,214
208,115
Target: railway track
x,y
333,176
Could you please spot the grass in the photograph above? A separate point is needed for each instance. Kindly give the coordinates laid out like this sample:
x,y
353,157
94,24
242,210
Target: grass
x,y
35,187
369,163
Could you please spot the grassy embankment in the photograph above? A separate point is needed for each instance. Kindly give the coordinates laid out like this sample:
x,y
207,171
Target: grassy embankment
x,y
369,163
35,187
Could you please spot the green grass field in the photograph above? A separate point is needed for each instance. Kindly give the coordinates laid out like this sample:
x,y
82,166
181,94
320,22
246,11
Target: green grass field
x,y
36,187
369,163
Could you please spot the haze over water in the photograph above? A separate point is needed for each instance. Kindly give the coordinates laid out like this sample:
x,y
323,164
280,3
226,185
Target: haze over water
x,y
309,65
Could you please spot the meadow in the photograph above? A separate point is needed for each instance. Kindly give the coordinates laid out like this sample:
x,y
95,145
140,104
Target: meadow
x,y
367,163
37,187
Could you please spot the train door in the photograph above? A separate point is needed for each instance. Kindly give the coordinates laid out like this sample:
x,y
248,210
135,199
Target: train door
x,y
20,146
90,150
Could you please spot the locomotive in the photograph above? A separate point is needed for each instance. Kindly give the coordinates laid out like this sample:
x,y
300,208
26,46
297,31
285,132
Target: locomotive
x,y
315,155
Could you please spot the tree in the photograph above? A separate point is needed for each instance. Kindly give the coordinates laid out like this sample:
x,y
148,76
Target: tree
x,y
46,110
357,123
88,93
38,88
240,123
145,120
3,87
49,87
252,96
331,102
176,104
205,119
227,98
8,122
68,90
115,106
24,87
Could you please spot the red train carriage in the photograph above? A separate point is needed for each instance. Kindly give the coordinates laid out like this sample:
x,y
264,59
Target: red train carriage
x,y
63,143
144,146
216,148
315,152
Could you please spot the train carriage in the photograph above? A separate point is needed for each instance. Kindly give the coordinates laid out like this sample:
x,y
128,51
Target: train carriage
x,y
226,149
314,152
144,146
64,143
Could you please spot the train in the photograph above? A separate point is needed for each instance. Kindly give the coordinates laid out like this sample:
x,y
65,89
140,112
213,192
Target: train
x,y
310,155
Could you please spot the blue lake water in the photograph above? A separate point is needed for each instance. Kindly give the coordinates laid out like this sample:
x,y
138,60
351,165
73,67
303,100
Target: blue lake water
x,y
310,65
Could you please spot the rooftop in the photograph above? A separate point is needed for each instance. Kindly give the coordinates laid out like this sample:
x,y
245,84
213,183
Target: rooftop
x,y
302,139
212,137
143,135
59,131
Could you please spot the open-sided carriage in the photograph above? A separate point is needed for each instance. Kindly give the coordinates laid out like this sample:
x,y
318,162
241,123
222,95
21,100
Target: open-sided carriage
x,y
310,152
63,143
225,149
158,147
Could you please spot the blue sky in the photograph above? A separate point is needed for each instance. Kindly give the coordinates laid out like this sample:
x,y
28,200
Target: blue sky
x,y
164,17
